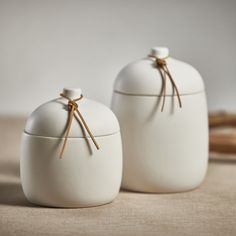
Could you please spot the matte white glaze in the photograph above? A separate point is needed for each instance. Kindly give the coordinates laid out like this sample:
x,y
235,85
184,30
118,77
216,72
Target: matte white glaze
x,y
85,176
141,77
160,52
163,151
50,118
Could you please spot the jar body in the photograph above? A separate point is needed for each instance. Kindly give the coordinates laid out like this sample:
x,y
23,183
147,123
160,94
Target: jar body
x,y
163,151
84,177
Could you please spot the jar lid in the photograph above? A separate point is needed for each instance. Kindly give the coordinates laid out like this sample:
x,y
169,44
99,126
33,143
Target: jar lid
x,y
51,118
143,77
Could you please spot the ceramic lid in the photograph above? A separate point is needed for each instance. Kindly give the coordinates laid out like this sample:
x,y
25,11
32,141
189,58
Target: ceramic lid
x,y
143,78
50,119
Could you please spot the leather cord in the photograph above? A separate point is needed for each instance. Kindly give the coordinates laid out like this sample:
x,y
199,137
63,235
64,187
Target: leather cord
x,y
162,66
72,108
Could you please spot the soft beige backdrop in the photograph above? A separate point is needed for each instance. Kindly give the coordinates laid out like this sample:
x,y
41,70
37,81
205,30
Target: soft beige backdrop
x,y
46,45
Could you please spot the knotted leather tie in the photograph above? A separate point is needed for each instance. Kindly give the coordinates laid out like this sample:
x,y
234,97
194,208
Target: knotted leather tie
x,y
162,66
72,108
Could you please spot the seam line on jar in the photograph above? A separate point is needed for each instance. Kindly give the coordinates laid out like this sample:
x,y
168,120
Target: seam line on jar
x,y
41,136
156,95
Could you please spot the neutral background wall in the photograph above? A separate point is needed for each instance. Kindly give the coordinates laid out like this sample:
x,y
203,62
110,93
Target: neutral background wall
x,y
46,45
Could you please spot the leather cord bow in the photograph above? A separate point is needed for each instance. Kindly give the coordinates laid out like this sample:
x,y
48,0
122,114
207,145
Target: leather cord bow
x,y
162,66
72,108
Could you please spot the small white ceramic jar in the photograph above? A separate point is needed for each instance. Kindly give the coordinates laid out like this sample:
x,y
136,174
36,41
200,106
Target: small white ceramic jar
x,y
84,176
164,151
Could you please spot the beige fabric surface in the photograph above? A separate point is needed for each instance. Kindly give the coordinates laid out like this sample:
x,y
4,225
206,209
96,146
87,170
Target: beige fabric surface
x,y
208,210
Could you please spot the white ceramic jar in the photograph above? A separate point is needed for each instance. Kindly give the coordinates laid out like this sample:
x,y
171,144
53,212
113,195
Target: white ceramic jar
x,y
164,151
84,176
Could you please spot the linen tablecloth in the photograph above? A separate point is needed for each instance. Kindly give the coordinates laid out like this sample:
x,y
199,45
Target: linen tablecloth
x,y
207,210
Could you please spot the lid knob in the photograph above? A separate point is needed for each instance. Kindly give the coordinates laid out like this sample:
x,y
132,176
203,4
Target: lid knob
x,y
72,92
160,52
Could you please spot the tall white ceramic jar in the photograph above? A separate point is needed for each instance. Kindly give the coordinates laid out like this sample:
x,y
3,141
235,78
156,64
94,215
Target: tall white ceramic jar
x,y
164,151
84,176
